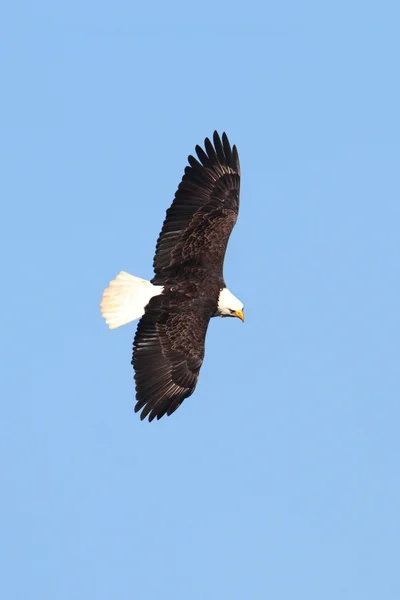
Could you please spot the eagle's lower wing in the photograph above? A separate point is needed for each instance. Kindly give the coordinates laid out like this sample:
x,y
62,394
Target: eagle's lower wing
x,y
168,352
199,222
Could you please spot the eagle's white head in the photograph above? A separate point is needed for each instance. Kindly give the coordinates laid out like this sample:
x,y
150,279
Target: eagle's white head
x,y
229,305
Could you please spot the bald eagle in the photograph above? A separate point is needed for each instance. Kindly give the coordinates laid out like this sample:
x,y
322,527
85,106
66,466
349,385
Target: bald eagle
x,y
188,286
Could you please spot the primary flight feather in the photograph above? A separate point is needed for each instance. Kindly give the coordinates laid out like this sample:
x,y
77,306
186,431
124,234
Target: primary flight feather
x,y
188,286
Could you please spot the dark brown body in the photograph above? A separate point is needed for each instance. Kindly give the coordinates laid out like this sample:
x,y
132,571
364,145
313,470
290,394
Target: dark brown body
x,y
168,349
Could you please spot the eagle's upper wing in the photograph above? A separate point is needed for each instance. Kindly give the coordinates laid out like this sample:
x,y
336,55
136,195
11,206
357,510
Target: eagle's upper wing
x,y
205,208
168,352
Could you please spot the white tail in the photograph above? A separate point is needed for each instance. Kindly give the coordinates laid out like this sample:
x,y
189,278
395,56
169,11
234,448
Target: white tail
x,y
126,298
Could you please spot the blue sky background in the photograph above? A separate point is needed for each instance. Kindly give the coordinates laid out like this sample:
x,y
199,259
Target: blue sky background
x,y
279,478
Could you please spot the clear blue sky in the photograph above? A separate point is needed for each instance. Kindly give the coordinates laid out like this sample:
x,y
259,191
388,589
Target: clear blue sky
x,y
279,478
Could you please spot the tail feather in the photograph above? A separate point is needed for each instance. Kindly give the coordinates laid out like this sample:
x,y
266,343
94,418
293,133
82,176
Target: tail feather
x,y
126,298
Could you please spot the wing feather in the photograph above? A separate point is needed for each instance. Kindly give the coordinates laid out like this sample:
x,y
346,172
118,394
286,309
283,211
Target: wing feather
x,y
199,222
168,352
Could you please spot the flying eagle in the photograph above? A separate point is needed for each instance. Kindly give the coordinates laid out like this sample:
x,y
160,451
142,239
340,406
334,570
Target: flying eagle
x,y
188,286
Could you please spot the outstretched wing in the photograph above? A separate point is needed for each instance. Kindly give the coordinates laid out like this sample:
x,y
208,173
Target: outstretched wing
x,y
168,352
199,222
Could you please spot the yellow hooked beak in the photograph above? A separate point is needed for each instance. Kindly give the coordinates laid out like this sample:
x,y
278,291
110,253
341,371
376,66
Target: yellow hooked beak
x,y
240,315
